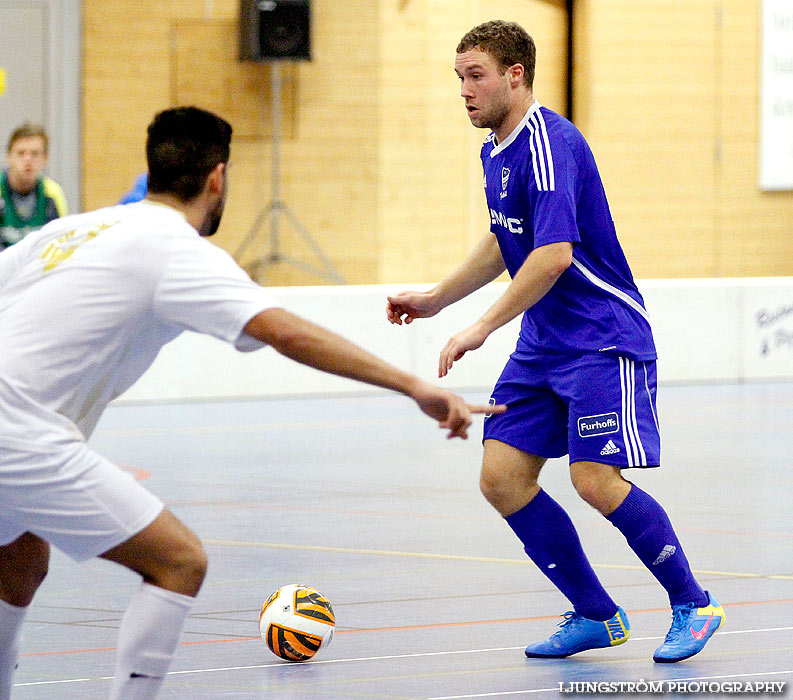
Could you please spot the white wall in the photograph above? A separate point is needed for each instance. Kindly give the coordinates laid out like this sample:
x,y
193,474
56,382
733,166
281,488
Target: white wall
x,y
723,330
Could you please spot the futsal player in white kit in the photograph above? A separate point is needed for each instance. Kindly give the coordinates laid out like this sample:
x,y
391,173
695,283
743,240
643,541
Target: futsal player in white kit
x,y
86,303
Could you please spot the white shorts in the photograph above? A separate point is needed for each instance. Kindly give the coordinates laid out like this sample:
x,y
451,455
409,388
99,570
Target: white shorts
x,y
73,498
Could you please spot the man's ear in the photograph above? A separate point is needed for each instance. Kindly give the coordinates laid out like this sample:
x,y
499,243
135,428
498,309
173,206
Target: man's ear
x,y
216,177
516,73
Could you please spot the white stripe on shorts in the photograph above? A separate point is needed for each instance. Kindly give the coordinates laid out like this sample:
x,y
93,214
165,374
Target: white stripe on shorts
x,y
634,449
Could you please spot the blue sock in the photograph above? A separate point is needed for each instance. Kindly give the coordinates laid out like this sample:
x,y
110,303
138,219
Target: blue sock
x,y
550,540
646,526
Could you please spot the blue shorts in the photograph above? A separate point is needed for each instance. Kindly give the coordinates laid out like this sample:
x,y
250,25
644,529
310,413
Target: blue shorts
x,y
596,408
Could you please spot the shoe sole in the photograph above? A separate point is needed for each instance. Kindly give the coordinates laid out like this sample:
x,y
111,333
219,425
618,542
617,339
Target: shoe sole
x,y
564,656
660,660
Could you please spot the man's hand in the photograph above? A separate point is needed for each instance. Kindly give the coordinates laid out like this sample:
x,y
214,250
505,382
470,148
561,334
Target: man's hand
x,y
470,339
406,306
450,410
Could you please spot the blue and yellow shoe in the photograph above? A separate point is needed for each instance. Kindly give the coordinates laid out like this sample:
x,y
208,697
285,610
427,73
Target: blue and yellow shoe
x,y
691,629
579,634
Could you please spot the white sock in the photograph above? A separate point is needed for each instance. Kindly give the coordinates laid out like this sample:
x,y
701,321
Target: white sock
x,y
147,640
11,619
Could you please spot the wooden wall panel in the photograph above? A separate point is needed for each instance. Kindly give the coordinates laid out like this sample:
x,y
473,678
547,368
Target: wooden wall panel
x,y
667,94
646,103
380,162
756,227
205,72
184,51
125,80
431,205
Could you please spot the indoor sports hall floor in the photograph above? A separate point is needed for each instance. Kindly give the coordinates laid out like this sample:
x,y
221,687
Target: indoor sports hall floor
x,y
362,498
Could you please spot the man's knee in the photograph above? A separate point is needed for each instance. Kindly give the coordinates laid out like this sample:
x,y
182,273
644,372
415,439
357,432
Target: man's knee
x,y
166,553
189,560
509,477
23,567
182,567
497,484
588,487
600,485
491,483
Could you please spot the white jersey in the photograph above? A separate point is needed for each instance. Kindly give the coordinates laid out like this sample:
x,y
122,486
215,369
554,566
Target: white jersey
x,y
87,302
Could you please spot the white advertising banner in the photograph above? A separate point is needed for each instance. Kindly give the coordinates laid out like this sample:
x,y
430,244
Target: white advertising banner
x,y
776,95
768,329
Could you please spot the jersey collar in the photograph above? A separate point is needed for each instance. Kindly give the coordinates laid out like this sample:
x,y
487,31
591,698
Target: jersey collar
x,y
162,205
523,122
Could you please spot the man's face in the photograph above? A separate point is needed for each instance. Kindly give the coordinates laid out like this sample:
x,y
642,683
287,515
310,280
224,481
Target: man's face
x,y
27,158
484,87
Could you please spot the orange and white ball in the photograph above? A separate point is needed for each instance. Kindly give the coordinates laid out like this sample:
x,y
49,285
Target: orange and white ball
x,y
296,622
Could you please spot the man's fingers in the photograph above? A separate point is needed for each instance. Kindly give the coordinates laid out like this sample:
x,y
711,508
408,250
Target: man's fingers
x,y
446,362
393,313
457,421
398,314
487,408
446,359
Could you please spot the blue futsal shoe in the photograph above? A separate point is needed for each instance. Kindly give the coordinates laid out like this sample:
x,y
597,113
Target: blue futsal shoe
x,y
691,629
579,634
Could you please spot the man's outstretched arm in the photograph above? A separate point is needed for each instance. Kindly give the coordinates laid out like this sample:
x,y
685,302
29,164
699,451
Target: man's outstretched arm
x,y
317,347
483,265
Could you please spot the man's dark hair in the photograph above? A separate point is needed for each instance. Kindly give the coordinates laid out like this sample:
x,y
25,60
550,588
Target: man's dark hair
x,y
507,42
183,146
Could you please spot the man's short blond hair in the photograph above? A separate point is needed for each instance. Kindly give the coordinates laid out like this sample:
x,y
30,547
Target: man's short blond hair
x,y
27,130
507,42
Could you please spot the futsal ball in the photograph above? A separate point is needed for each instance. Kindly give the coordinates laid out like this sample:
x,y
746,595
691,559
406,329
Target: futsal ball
x,y
296,622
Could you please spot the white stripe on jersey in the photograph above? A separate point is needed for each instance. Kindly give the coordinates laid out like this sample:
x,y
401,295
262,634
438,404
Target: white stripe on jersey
x,y
622,296
547,141
541,153
537,138
534,160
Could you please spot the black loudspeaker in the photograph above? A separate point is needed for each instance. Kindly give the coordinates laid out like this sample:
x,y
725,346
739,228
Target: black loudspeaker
x,y
275,29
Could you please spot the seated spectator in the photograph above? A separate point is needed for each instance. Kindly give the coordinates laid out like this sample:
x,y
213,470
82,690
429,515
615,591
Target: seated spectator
x,y
28,200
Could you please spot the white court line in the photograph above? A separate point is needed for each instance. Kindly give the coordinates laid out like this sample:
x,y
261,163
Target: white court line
x,y
556,689
70,680
396,656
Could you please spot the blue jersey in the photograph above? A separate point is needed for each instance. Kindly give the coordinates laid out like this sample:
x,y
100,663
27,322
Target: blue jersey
x,y
542,186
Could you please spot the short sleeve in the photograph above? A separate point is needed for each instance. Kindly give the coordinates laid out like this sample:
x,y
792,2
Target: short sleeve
x,y
202,289
554,192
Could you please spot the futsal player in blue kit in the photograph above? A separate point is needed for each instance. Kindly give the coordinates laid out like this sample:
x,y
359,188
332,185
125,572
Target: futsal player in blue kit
x,y
582,379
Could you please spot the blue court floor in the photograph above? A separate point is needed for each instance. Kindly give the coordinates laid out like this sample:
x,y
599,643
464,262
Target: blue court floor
x,y
364,499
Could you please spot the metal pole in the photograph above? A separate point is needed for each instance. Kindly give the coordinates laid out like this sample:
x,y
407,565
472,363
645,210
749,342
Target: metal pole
x,y
275,117
276,207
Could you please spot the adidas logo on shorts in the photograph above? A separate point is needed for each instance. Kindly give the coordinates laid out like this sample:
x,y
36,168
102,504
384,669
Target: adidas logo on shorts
x,y
610,448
